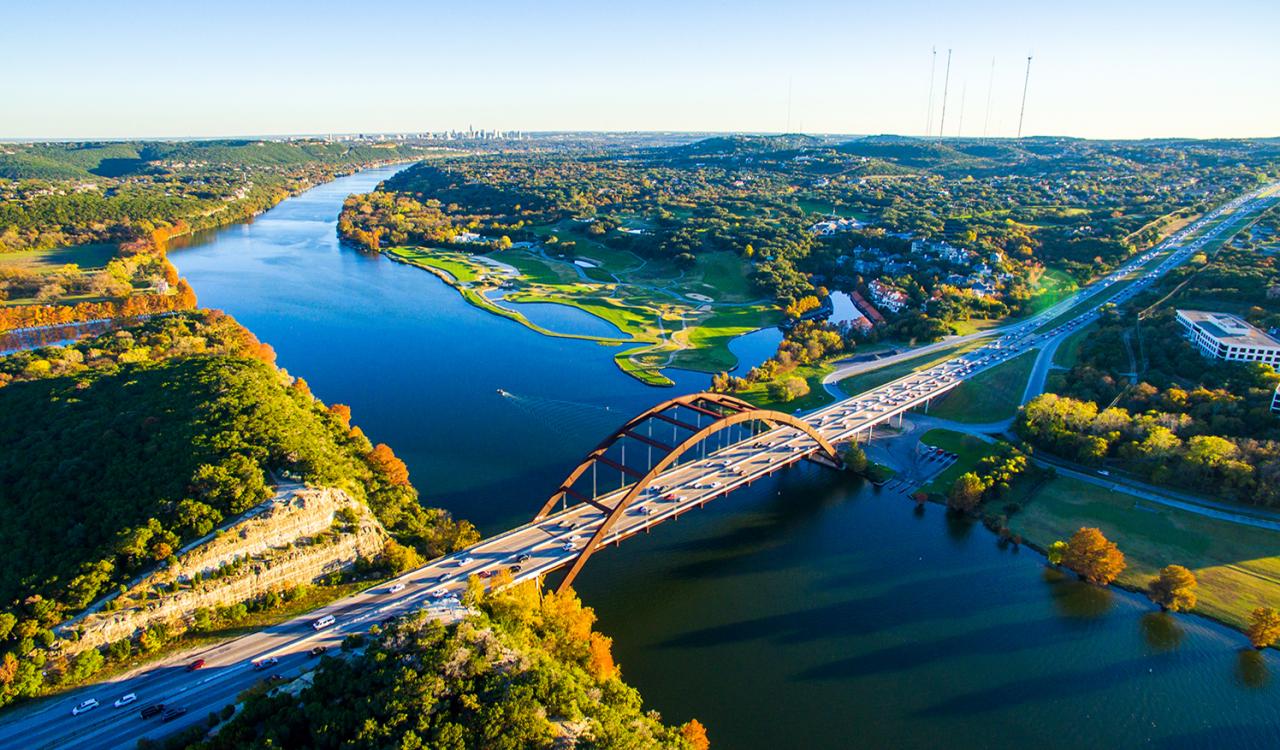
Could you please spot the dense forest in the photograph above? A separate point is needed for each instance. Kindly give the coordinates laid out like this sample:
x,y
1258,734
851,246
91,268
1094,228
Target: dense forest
x,y
60,194
118,450
526,670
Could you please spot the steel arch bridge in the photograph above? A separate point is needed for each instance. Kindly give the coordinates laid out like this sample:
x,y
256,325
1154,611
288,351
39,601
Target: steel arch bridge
x,y
694,422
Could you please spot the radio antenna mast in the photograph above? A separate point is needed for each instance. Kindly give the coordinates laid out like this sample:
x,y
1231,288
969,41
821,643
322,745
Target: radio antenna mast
x,y
933,71
788,104
991,80
964,89
946,83
1023,109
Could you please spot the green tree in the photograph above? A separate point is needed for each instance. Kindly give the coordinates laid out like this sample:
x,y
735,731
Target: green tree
x,y
966,492
855,459
1057,552
400,558
236,483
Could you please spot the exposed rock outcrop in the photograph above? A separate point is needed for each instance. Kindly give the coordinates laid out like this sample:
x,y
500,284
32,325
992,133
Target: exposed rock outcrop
x,y
295,539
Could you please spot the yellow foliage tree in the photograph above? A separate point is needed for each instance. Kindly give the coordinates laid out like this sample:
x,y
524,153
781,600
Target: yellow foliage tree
x,y
600,657
1095,558
1264,627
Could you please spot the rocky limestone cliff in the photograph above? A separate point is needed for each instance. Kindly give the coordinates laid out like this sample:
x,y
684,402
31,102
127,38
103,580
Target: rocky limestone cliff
x,y
294,539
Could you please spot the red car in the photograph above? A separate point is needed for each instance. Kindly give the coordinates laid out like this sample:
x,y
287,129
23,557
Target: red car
x,y
197,664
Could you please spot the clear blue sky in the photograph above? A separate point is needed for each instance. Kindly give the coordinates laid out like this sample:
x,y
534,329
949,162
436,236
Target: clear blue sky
x,y
185,68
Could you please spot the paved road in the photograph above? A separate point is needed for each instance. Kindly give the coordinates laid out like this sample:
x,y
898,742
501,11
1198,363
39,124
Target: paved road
x,y
549,544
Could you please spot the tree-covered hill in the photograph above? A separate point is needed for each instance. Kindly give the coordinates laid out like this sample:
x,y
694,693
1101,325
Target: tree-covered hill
x,y
86,160
524,672
118,450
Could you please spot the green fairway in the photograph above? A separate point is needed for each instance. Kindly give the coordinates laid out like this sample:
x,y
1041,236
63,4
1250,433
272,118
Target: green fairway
x,y
462,267
674,317
1238,566
989,396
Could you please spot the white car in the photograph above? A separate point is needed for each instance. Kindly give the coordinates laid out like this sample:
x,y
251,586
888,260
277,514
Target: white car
x,y
465,561
439,593
568,547
125,700
88,705
395,587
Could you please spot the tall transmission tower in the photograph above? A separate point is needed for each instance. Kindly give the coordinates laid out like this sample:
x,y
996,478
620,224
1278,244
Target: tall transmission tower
x,y
1023,109
933,72
946,83
964,89
991,80
788,104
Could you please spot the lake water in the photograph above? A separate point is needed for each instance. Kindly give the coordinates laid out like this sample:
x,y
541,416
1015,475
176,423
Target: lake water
x,y
808,611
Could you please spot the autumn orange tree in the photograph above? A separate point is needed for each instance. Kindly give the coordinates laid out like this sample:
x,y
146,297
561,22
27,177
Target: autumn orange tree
x,y
384,461
1264,627
1174,589
695,734
1093,557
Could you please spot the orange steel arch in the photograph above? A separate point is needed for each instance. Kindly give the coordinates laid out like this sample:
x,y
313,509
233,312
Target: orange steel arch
x,y
769,417
691,400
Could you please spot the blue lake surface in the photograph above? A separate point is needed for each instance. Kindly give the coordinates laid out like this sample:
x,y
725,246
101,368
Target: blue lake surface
x,y
808,611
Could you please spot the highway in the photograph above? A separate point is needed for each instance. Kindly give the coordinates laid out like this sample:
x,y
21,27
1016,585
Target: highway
x,y
555,541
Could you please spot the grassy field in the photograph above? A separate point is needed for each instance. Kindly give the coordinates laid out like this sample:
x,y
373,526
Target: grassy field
x,y
1069,350
989,396
85,256
969,449
758,393
1238,566
1053,286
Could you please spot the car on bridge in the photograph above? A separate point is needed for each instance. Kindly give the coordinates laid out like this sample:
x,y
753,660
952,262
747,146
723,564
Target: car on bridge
x,y
465,561
125,700
173,713
197,664
85,705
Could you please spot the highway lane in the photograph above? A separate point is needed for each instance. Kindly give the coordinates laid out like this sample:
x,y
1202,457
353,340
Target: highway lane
x,y
555,541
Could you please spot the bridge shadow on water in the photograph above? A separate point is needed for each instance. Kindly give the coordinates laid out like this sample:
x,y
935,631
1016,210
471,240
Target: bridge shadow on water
x,y
792,503
998,640
889,609
1060,685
